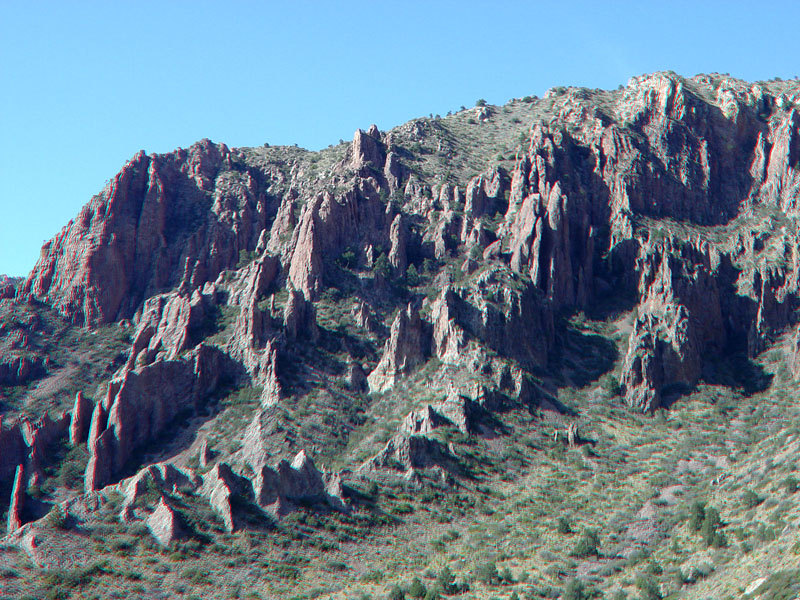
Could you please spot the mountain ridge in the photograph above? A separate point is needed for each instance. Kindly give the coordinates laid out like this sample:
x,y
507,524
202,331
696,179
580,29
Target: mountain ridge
x,y
385,305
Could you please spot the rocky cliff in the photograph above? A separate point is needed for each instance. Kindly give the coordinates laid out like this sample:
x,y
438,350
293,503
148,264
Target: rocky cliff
x,y
446,250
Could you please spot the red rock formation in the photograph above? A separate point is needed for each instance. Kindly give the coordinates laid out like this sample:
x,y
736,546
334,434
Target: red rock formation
x,y
80,419
164,524
405,349
140,236
17,500
140,404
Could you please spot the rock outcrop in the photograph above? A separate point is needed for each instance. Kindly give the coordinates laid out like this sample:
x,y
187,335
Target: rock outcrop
x,y
139,405
164,524
140,235
679,319
277,488
405,453
406,348
219,485
17,503
80,419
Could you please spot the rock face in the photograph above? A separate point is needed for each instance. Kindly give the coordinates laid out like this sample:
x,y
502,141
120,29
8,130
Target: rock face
x,y
299,318
410,452
493,312
17,500
140,235
167,327
680,319
674,198
219,485
164,524
405,349
276,488
456,411
80,419
140,404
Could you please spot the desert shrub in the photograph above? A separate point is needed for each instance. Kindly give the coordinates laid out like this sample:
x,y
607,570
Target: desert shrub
x,y
416,589
791,484
403,508
433,594
480,102
487,573
648,587
783,585
396,593
587,545
750,499
446,581
563,527
574,590
57,517
70,473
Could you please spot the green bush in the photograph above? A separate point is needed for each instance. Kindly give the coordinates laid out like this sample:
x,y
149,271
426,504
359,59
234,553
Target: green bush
x,y
487,573
750,499
416,589
57,517
412,276
563,527
574,590
433,594
648,587
347,259
791,484
697,512
396,593
587,545
710,529
446,581
382,266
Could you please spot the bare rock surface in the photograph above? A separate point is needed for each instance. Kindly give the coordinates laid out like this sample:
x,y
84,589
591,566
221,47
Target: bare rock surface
x,y
164,524
405,349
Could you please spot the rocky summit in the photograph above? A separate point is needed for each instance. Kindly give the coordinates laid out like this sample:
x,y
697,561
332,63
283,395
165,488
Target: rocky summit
x,y
540,350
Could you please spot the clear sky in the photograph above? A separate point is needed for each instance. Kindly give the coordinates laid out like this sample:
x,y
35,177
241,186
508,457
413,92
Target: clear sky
x,y
85,85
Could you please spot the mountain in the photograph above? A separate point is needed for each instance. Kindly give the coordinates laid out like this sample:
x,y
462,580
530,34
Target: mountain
x,y
535,350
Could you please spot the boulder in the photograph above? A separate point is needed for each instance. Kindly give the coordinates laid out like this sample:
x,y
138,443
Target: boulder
x,y
165,524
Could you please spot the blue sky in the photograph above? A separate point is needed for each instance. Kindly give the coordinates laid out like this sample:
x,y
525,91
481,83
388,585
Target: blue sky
x,y
85,85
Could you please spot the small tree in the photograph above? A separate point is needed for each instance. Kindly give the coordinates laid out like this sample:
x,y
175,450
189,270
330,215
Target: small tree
x,y
697,513
710,529
480,102
412,276
382,266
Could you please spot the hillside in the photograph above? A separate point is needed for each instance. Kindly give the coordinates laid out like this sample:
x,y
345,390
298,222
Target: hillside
x,y
546,349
